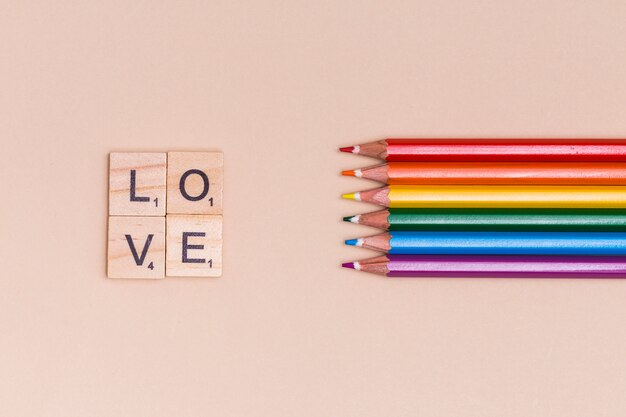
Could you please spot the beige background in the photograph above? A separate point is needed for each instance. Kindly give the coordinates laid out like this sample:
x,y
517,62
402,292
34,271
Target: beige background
x,y
278,85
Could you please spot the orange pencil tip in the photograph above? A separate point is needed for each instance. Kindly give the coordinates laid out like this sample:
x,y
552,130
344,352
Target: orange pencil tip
x,y
348,173
348,149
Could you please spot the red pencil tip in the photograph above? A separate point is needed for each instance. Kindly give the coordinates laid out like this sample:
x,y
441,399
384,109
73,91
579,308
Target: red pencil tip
x,y
348,265
348,173
348,149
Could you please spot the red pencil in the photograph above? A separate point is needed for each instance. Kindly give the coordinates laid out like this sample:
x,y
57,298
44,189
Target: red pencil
x,y
497,150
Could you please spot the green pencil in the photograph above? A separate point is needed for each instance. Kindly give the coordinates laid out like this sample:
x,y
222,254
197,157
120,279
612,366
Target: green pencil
x,y
584,220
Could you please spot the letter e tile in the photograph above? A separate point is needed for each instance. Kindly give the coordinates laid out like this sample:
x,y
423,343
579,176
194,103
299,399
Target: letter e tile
x,y
194,245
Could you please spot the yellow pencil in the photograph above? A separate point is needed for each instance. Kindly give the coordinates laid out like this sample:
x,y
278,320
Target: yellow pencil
x,y
494,196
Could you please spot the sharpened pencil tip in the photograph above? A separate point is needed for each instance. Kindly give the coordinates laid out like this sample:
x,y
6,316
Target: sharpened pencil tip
x,y
353,196
348,173
348,265
352,242
352,219
348,149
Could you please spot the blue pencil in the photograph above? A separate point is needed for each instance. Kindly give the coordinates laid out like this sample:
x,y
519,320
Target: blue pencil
x,y
496,243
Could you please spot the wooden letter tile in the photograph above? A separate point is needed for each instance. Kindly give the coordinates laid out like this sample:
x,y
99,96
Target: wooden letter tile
x,y
136,247
195,182
194,245
137,184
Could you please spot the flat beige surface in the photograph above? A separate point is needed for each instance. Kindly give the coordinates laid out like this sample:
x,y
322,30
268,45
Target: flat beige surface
x,y
278,86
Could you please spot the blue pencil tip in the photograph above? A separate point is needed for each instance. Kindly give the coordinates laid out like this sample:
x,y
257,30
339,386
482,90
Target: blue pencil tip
x,y
351,242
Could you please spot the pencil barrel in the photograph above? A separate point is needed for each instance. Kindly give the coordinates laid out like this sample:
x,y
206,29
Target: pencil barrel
x,y
506,150
501,173
468,266
581,220
508,243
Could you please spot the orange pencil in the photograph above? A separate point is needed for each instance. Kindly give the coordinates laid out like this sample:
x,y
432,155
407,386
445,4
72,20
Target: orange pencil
x,y
494,173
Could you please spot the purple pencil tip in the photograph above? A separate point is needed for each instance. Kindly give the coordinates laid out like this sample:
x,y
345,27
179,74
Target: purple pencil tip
x,y
348,265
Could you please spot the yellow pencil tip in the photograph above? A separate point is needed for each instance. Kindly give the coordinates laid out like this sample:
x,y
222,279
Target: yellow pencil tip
x,y
349,196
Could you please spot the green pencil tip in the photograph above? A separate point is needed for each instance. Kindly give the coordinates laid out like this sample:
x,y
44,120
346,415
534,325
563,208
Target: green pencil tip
x,y
348,218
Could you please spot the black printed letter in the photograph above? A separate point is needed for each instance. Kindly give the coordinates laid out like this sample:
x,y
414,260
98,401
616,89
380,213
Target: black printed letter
x,y
205,190
186,246
139,260
133,197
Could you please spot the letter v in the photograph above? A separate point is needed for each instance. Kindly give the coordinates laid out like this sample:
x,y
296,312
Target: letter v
x,y
139,259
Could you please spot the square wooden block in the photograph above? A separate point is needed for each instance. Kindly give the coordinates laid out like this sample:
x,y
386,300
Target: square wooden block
x,y
194,246
137,184
195,182
136,247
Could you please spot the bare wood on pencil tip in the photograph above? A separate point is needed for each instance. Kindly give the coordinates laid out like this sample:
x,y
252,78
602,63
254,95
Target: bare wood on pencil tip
x,y
495,196
378,196
376,265
378,219
376,149
378,242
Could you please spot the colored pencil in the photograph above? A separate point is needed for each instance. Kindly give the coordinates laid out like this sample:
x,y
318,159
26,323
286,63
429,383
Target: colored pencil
x,y
564,220
494,173
496,150
494,196
496,243
469,266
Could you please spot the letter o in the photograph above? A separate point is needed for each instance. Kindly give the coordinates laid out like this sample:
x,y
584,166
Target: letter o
x,y
205,180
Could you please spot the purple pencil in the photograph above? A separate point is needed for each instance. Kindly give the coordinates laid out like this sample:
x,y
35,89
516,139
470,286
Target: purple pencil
x,y
492,266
